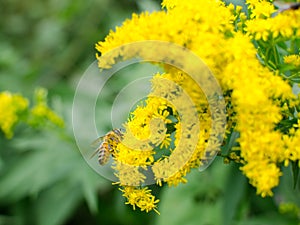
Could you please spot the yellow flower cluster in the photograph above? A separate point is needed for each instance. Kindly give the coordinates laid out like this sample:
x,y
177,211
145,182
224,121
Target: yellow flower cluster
x,y
41,113
260,8
254,94
263,26
291,142
141,198
11,108
147,129
293,60
15,108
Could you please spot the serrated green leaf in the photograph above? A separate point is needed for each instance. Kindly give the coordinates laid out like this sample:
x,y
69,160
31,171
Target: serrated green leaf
x,y
35,171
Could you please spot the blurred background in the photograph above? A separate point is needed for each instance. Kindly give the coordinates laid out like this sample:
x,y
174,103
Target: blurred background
x,y
43,178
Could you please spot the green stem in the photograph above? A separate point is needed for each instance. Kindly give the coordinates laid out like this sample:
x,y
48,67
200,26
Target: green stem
x,y
276,56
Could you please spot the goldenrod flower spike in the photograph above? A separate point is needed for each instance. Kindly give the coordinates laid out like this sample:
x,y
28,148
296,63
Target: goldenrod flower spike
x,y
254,95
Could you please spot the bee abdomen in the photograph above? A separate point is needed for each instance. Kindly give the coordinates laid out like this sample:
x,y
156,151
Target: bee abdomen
x,y
109,145
103,155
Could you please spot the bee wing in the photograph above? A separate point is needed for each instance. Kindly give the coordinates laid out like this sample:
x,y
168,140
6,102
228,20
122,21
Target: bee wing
x,y
282,6
97,142
94,153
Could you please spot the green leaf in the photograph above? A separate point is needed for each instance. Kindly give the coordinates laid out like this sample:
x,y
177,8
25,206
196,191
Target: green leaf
x,y
90,182
45,165
34,171
285,191
198,202
234,193
295,170
267,219
56,204
286,67
231,142
295,77
5,220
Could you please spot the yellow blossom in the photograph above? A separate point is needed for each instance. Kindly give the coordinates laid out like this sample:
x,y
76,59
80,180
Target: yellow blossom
x,y
15,108
140,197
263,175
12,106
254,94
285,24
41,113
260,8
292,59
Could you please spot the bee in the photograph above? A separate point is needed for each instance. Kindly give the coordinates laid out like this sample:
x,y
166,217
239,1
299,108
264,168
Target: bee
x,y
283,6
107,146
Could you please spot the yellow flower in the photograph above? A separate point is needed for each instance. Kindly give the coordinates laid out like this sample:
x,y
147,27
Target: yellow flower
x,y
262,26
254,94
41,113
140,197
263,175
166,142
260,8
292,59
12,106
291,142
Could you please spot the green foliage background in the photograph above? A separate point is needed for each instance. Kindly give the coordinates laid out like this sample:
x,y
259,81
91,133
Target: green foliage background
x,y
43,178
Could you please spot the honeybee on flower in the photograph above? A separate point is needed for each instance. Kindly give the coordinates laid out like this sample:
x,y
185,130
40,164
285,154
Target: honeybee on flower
x,y
107,145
